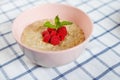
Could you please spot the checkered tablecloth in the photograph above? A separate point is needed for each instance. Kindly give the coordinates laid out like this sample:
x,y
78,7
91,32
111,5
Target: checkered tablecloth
x,y
100,61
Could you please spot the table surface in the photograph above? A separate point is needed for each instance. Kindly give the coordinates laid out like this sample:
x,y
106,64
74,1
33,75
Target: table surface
x,y
100,61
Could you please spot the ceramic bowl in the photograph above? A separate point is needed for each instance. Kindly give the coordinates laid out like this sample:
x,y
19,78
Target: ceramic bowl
x,y
66,12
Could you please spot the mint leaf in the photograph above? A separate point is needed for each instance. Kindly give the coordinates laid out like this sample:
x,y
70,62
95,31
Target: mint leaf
x,y
49,25
65,23
57,22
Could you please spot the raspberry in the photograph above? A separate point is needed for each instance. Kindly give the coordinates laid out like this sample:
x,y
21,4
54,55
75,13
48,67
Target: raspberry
x,y
54,36
50,30
45,32
53,33
62,37
62,31
55,40
46,38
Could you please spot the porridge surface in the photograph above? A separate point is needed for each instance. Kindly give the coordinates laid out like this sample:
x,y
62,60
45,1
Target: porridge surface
x,y
32,37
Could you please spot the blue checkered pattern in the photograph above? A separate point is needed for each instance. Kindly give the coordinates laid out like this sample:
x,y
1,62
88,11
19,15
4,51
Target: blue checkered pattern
x,y
100,61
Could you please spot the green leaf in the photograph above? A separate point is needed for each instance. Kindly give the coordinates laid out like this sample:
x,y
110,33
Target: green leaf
x,y
65,23
49,25
57,22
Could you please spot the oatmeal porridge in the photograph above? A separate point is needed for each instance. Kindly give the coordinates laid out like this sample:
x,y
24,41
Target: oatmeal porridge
x,y
32,37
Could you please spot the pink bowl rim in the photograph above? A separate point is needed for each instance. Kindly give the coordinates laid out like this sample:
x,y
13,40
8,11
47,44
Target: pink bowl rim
x,y
52,52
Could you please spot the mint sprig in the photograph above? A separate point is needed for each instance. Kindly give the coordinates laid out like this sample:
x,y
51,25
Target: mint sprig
x,y
65,23
58,24
49,25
